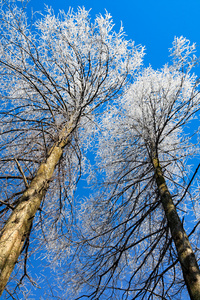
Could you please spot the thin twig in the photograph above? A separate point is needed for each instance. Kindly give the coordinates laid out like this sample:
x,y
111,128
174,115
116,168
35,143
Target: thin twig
x,y
22,173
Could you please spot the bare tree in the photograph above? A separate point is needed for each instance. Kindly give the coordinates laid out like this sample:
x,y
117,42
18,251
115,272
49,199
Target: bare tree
x,y
54,73
133,244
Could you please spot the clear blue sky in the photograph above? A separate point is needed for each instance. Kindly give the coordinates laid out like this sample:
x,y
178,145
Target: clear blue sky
x,y
152,24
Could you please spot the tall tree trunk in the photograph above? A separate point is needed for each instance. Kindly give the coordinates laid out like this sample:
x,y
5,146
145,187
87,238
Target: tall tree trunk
x,y
17,227
189,265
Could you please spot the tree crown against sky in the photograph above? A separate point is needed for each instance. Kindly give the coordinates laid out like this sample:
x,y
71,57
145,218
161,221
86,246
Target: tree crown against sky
x,y
55,73
125,249
59,67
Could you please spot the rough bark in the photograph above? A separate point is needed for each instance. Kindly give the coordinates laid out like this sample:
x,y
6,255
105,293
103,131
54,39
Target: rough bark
x,y
189,265
18,225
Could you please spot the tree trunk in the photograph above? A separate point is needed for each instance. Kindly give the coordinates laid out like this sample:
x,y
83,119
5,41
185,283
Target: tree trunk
x,y
190,268
17,227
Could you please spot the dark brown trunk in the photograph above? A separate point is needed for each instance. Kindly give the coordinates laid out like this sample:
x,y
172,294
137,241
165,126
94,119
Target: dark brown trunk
x,y
190,268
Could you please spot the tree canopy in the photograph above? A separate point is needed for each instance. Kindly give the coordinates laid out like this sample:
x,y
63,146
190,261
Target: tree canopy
x,y
126,250
55,73
73,89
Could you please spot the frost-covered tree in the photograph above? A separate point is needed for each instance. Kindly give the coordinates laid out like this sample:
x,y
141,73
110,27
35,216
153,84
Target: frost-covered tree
x,y
137,241
55,72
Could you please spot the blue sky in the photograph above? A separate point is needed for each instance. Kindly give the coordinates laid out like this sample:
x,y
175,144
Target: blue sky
x,y
152,24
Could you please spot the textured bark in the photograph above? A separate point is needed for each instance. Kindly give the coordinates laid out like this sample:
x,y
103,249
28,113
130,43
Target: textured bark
x,y
189,265
17,227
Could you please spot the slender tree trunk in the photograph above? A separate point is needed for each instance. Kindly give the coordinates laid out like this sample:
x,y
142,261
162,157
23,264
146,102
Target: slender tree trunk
x,y
189,265
17,227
